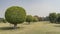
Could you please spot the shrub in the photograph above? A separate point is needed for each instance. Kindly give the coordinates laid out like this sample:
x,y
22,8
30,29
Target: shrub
x,y
29,18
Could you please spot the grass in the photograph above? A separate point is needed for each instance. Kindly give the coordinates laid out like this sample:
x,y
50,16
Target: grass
x,y
33,28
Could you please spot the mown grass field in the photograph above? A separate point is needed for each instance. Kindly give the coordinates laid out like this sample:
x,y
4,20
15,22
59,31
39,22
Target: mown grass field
x,y
33,28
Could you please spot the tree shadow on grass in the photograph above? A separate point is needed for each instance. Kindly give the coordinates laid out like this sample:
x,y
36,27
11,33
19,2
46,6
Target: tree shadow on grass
x,y
56,25
9,28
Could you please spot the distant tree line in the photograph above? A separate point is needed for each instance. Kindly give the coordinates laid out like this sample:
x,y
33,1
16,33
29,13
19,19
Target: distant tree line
x,y
54,17
2,20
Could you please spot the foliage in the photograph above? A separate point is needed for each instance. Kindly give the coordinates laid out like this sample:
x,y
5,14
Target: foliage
x,y
58,18
46,18
15,15
3,20
29,18
39,18
35,19
52,17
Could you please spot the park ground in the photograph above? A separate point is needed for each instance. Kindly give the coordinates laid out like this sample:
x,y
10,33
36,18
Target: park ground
x,y
43,27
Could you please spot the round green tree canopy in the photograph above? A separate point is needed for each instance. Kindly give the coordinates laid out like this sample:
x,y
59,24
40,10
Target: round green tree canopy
x,y
15,15
29,18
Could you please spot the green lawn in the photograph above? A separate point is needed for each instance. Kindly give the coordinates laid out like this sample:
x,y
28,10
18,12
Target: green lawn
x,y
33,28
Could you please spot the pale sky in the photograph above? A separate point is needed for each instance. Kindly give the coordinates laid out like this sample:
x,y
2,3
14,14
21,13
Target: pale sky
x,y
32,7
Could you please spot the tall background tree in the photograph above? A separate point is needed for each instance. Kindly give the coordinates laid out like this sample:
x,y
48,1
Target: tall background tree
x,y
52,17
15,15
58,18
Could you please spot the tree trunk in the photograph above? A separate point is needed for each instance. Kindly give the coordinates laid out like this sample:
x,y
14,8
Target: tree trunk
x,y
15,26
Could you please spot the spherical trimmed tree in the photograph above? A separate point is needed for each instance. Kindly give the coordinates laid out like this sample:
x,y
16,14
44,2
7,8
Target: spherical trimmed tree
x,y
15,15
29,19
